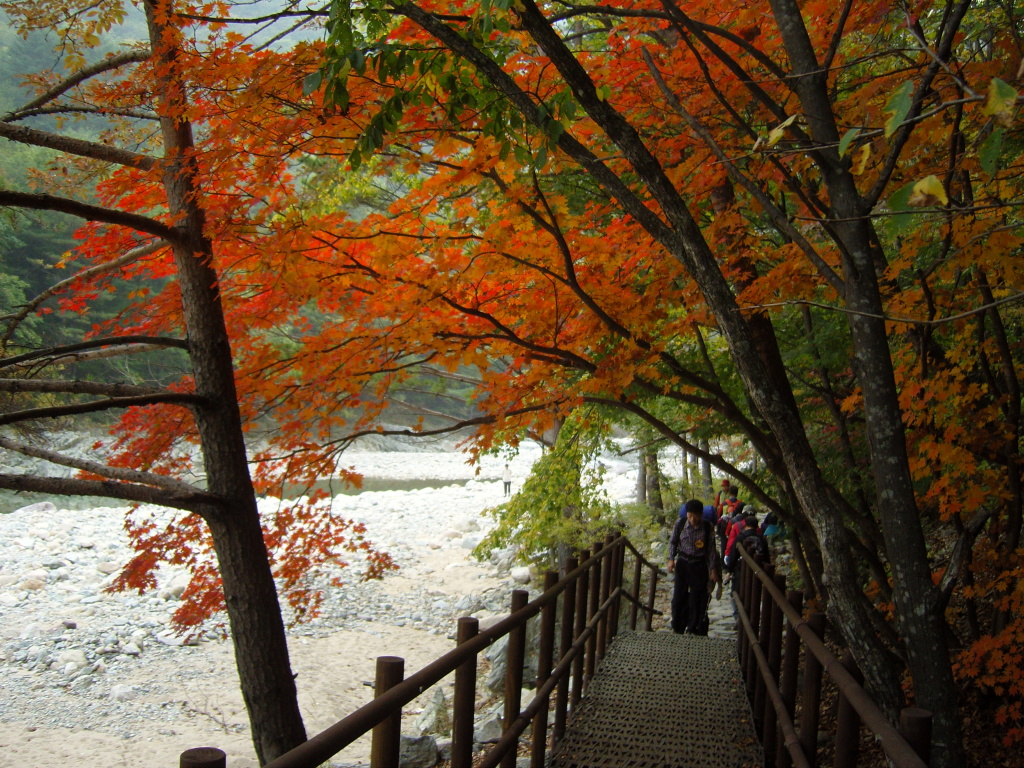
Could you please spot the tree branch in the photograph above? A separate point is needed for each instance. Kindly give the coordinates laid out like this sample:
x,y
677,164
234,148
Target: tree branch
x,y
184,398
79,147
87,212
192,502
107,341
78,388
127,258
114,473
104,65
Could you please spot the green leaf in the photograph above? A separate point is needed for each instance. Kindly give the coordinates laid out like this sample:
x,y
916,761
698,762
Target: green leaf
x,y
1002,98
899,200
989,152
848,137
311,83
898,106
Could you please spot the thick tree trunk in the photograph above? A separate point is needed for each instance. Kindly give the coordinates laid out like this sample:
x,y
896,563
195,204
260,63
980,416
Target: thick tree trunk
x,y
254,613
918,605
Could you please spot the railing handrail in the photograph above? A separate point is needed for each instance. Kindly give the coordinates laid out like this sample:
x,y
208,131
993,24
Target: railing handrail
x,y
321,747
896,747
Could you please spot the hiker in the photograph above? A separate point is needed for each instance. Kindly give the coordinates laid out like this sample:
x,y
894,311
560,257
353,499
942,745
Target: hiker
x,y
506,478
709,514
693,558
750,536
771,526
732,513
721,496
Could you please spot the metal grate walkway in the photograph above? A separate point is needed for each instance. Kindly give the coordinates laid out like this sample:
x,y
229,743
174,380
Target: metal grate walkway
x,y
661,700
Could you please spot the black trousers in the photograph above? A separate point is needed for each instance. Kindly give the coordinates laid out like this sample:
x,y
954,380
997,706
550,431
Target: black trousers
x,y
690,596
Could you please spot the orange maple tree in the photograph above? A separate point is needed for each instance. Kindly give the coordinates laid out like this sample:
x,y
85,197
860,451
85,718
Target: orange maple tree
x,y
797,225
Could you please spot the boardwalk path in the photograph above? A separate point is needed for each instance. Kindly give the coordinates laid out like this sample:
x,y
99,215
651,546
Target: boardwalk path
x,y
661,700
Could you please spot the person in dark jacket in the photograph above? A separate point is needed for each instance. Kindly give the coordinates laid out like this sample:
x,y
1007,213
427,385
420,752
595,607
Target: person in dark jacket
x,y
693,558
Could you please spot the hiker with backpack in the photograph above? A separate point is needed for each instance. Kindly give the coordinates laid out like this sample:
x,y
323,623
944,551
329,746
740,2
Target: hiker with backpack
x,y
750,536
693,558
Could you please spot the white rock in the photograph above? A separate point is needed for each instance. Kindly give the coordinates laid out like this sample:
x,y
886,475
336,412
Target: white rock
x,y
520,574
39,508
131,649
108,567
123,693
73,656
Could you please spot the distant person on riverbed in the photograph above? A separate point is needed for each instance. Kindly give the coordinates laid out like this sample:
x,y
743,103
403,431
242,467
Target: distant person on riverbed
x,y
506,478
693,558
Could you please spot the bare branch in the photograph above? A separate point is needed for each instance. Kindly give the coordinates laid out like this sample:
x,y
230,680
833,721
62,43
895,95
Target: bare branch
x,y
77,388
96,468
79,147
76,78
107,341
87,212
193,502
184,398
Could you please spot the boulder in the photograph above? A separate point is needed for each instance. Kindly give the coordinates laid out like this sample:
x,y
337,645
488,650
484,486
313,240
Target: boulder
x,y
435,718
417,752
488,730
521,574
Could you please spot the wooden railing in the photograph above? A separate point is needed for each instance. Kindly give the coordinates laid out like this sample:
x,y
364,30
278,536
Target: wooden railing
x,y
586,603
770,633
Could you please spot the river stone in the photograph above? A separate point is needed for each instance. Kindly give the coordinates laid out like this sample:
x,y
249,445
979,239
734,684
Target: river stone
x,y
32,584
487,730
435,717
520,574
417,752
107,567
39,508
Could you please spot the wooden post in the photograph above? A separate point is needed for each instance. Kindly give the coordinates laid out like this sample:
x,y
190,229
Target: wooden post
x,y
755,624
594,601
790,673
651,594
387,735
763,637
769,735
564,644
848,722
203,757
545,653
604,626
916,727
464,700
618,562
742,595
638,572
810,696
514,672
582,601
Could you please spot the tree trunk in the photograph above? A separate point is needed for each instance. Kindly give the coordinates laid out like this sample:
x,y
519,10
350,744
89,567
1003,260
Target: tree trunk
x,y
254,613
918,605
705,471
641,478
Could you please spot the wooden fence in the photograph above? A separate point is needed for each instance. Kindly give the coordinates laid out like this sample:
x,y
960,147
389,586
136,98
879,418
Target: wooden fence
x,y
771,632
587,606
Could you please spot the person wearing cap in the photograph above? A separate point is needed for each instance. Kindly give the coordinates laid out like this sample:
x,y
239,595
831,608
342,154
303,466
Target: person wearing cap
x,y
693,558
